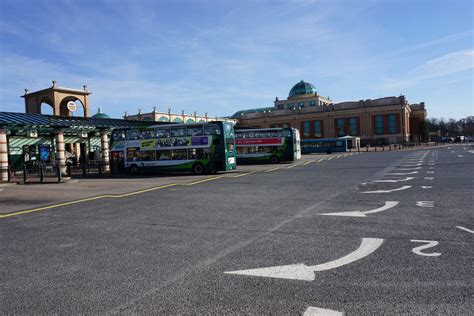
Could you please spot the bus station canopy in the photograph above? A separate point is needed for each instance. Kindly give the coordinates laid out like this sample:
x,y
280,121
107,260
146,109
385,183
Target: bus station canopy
x,y
19,124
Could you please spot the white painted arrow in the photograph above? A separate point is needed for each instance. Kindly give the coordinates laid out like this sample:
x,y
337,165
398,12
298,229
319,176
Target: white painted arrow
x,y
389,191
393,181
388,205
316,311
401,173
306,273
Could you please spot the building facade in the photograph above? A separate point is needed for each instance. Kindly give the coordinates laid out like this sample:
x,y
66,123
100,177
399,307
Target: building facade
x,y
157,116
386,120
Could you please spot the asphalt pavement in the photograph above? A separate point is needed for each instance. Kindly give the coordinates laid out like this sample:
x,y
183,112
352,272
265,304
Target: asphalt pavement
x,y
361,234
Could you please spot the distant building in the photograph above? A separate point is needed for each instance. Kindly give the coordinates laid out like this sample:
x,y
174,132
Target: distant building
x,y
384,120
156,116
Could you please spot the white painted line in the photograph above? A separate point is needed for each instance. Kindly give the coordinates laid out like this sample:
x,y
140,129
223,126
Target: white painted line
x,y
308,162
407,169
429,244
425,203
303,272
388,205
466,229
415,165
316,311
426,187
430,172
273,169
460,156
429,178
431,168
292,166
401,173
389,191
393,181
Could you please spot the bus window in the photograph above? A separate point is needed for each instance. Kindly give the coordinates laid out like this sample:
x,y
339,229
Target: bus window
x,y
178,131
178,154
133,154
148,134
162,132
147,155
163,154
118,135
195,130
195,153
211,129
134,134
206,153
230,145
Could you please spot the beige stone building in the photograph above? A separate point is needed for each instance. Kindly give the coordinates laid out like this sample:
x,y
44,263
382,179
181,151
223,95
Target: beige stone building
x,y
385,120
157,116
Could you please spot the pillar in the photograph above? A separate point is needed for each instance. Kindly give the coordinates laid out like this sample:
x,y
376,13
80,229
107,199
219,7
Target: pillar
x,y
3,155
61,158
104,141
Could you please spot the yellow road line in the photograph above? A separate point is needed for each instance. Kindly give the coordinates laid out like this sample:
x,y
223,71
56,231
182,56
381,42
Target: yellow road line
x,y
43,208
205,180
273,169
244,174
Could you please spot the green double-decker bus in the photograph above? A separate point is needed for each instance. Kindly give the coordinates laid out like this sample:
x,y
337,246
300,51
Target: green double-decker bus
x,y
267,145
198,147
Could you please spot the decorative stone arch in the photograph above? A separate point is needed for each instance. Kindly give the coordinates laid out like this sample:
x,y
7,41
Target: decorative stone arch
x,y
148,119
57,97
177,120
45,100
64,111
163,119
189,120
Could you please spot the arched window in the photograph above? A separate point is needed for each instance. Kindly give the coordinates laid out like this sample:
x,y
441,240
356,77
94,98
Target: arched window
x,y
163,119
189,120
148,119
177,120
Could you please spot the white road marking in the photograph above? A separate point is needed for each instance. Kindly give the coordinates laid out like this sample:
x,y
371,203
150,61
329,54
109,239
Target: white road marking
x,y
292,166
307,273
388,205
426,187
429,178
466,229
418,164
308,162
393,181
316,311
407,169
425,203
431,168
429,244
389,191
430,172
460,156
401,173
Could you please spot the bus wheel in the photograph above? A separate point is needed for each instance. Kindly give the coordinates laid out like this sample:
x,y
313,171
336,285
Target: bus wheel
x,y
274,159
134,169
198,168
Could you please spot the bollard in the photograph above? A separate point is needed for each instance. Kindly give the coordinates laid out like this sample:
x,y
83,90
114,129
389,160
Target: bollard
x,y
389,147
84,169
9,170
358,149
24,173
375,147
60,176
100,168
41,173
68,170
383,147
367,147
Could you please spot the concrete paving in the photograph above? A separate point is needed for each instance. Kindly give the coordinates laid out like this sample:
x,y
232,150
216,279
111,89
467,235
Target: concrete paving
x,y
170,250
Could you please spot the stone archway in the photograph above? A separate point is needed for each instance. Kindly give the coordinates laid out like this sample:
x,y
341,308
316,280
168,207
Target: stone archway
x,y
57,97
64,111
46,102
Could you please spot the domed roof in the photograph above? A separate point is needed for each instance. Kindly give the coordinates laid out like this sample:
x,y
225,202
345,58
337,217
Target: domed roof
x,y
302,88
100,115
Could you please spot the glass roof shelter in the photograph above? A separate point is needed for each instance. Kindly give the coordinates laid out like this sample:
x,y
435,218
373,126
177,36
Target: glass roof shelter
x,y
23,129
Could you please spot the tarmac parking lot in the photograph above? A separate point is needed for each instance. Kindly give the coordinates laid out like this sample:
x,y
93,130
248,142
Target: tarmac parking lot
x,y
371,233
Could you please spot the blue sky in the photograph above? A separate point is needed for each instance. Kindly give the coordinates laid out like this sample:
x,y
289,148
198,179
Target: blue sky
x,y
223,56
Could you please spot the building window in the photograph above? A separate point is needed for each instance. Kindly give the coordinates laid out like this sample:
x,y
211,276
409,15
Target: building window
x,y
301,104
285,125
353,128
312,103
392,123
306,129
318,132
379,125
280,106
273,125
340,128
290,106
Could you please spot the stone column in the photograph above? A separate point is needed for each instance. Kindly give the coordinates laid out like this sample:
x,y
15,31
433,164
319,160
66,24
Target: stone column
x,y
3,156
60,156
104,140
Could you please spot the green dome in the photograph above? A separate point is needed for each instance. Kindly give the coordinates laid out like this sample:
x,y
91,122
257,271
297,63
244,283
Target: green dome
x,y
302,88
100,115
